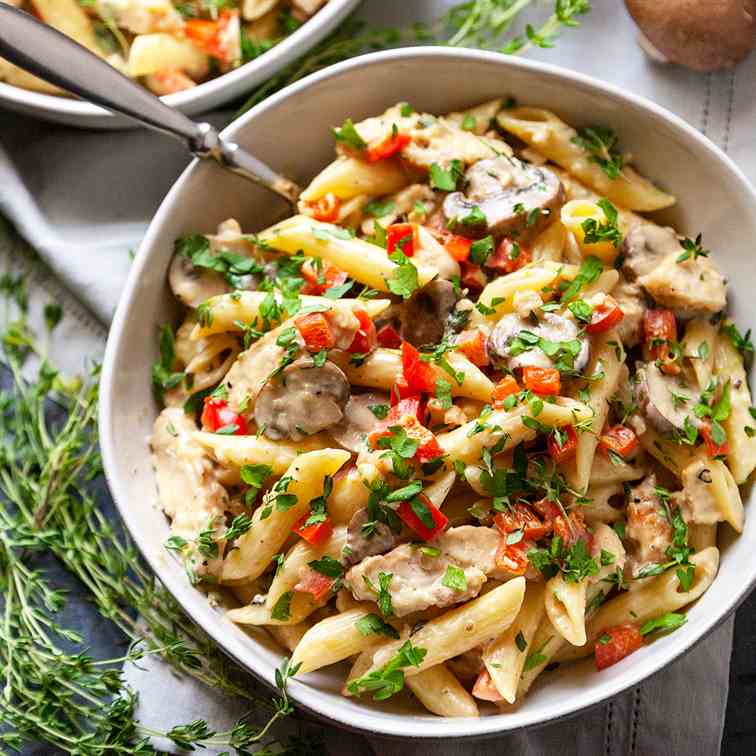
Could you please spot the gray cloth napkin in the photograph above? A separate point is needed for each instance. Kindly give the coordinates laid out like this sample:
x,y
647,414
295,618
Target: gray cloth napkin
x,y
83,200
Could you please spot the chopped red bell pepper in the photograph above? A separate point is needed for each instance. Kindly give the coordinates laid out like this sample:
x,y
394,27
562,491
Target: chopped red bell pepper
x,y
562,451
473,345
521,517
419,375
660,328
505,387
313,582
422,516
389,147
713,449
605,316
615,643
414,405
401,236
389,337
619,439
317,281
473,277
405,414
572,529
216,415
458,247
509,256
316,534
315,331
484,688
365,339
512,557
326,209
542,381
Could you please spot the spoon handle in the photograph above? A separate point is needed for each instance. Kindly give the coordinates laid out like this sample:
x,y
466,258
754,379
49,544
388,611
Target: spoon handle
x,y
59,60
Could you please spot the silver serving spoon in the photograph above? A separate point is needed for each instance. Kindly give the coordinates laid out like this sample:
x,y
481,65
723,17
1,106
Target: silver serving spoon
x,y
54,57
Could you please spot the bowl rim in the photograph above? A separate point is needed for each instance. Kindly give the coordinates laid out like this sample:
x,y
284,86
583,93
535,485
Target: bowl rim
x,y
307,696
267,64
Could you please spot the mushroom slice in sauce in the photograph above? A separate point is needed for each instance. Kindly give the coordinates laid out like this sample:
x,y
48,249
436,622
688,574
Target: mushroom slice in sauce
x,y
302,400
508,192
381,539
192,286
665,400
553,328
425,313
358,420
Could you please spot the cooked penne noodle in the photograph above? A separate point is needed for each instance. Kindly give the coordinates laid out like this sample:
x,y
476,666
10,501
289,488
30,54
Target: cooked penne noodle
x,y
461,629
334,639
237,451
741,457
272,524
607,359
565,606
441,693
348,177
574,214
230,312
700,346
505,656
506,428
553,138
380,369
660,595
363,261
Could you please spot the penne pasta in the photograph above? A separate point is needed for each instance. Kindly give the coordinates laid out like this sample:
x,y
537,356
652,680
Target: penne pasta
x,y
556,140
505,429
334,639
739,425
504,657
367,263
441,693
659,595
565,606
230,312
272,523
380,369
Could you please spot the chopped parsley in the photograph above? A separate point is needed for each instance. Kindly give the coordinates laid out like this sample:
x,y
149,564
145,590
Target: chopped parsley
x,y
455,579
601,143
372,624
347,134
389,679
446,179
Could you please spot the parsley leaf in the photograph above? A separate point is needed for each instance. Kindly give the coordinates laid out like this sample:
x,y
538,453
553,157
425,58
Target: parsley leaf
x,y
372,624
327,566
446,179
667,622
455,579
347,134
601,143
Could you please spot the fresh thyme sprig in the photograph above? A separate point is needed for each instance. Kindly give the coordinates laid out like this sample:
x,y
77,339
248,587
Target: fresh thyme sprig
x,y
476,23
50,688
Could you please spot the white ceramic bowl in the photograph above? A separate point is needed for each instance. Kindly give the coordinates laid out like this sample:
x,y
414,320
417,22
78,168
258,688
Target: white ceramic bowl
x,y
291,132
199,99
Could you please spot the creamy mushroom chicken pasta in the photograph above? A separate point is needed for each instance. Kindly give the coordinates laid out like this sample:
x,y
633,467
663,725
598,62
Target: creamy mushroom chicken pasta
x,y
465,416
168,45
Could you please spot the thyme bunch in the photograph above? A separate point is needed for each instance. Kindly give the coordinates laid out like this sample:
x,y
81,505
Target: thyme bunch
x,y
476,23
51,689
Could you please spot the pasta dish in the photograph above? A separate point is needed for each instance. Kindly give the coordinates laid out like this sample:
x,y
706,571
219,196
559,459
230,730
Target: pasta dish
x,y
468,415
168,46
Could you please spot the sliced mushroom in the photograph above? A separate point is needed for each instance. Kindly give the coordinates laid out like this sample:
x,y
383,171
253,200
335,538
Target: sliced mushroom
x,y
425,313
553,327
665,400
508,192
645,246
358,420
192,286
380,540
302,400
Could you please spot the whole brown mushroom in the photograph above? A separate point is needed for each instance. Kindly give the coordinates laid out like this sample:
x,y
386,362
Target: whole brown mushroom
x,y
704,35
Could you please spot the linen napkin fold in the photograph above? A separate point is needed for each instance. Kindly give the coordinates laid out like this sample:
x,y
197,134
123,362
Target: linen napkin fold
x,y
83,200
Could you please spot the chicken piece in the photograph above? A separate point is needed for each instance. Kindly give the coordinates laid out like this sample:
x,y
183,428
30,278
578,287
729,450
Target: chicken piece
x,y
359,545
647,526
631,301
190,494
417,580
699,504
